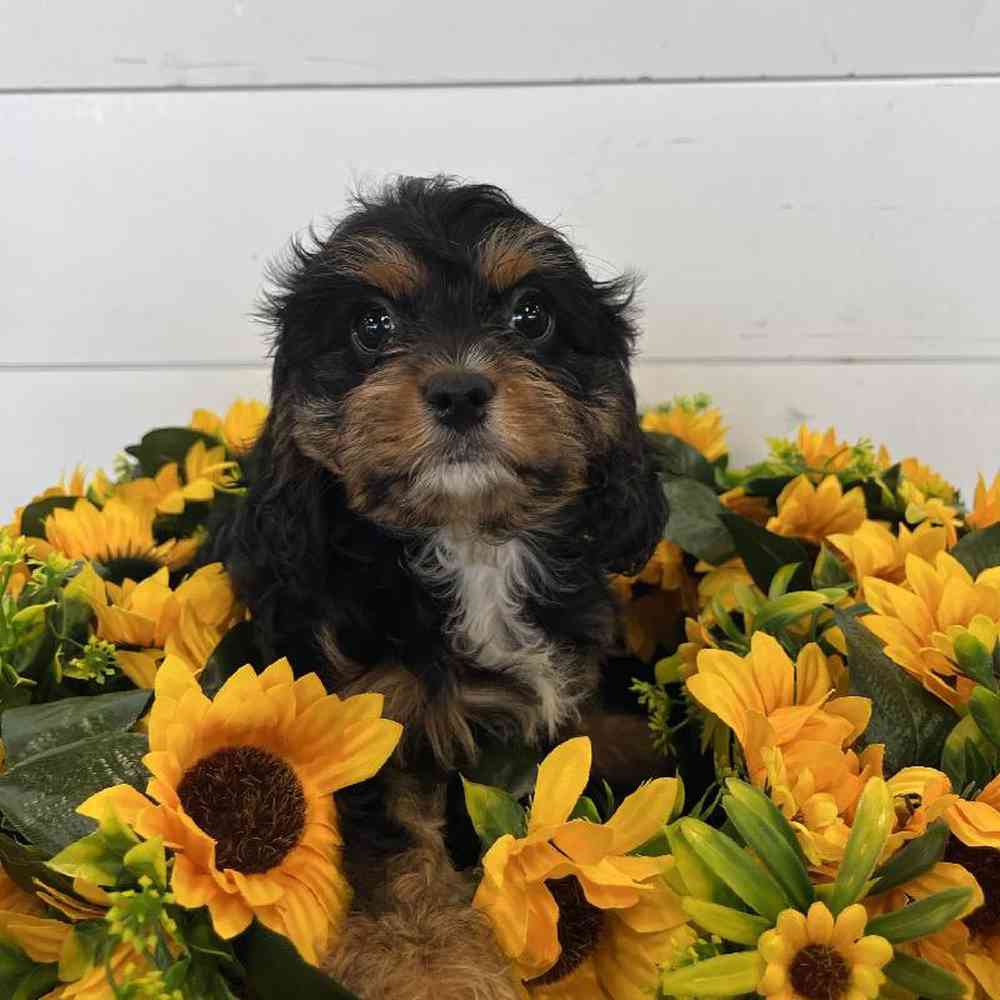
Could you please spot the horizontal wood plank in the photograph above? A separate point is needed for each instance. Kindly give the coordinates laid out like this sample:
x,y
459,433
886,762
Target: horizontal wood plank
x,y
944,413
119,43
814,220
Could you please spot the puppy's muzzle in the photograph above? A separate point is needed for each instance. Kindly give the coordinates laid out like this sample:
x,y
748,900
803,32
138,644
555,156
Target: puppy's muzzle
x,y
459,400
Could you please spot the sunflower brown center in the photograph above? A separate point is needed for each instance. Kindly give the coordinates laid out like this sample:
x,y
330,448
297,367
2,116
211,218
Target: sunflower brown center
x,y
134,566
819,972
250,802
579,928
984,864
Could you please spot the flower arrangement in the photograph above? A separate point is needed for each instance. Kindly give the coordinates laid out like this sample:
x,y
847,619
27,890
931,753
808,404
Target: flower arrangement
x,y
815,642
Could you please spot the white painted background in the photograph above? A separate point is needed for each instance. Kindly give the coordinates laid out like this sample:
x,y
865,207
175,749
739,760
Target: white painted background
x,y
812,190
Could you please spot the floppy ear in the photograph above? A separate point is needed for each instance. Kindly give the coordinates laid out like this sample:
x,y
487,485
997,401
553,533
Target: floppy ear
x,y
628,507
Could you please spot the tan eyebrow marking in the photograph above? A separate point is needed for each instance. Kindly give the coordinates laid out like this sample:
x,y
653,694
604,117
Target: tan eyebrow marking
x,y
511,251
380,261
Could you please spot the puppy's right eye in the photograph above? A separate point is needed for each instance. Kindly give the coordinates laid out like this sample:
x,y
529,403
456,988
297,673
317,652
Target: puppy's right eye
x,y
372,326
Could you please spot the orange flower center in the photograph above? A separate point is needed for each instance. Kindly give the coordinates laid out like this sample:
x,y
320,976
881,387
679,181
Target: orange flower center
x,y
819,972
579,929
250,802
984,864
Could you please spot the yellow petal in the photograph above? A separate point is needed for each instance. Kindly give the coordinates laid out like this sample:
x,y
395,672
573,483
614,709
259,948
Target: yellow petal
x,y
562,777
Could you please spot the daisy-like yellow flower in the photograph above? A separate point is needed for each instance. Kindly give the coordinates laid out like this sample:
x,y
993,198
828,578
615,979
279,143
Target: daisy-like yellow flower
x,y
76,486
579,916
720,581
873,550
823,451
927,480
240,427
149,619
986,510
916,621
816,512
693,421
117,535
243,789
205,471
813,956
768,701
923,509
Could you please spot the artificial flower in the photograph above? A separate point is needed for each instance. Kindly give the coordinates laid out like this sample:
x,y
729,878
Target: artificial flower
x,y
986,510
720,582
693,420
927,480
815,512
922,508
239,429
753,508
243,788
13,899
874,550
822,451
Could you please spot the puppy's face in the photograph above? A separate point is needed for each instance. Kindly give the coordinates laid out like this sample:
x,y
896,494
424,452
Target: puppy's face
x,y
450,360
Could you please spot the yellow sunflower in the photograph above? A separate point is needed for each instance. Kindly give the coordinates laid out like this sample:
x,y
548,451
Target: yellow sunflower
x,y
720,581
692,420
823,451
873,550
986,511
815,512
243,789
580,917
240,427
148,619
927,480
812,955
756,509
915,621
118,536
924,509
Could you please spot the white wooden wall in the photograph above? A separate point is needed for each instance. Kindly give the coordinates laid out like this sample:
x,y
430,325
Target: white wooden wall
x,y
812,190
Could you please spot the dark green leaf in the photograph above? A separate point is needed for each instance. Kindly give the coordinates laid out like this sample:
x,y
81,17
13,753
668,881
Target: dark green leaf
x,y
277,971
34,515
764,553
507,764
40,796
917,857
24,864
968,756
910,721
678,458
925,916
23,979
585,809
235,649
694,522
923,979
984,707
166,444
979,550
766,486
36,729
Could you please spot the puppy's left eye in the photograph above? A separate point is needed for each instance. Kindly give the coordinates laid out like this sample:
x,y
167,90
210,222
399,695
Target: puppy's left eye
x,y
372,326
531,317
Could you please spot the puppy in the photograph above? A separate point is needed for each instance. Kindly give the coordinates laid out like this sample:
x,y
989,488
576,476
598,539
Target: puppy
x,y
451,468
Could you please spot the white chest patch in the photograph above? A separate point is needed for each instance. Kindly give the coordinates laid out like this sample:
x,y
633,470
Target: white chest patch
x,y
488,585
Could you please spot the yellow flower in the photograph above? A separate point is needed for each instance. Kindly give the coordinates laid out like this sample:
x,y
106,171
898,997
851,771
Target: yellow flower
x,y
579,916
815,512
240,428
720,581
813,955
987,507
914,620
756,509
693,421
767,701
75,487
13,899
873,550
118,536
823,451
931,510
205,471
150,619
927,480
243,788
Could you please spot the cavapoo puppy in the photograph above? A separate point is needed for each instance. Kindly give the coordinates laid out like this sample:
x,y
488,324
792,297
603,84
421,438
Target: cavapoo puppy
x,y
451,468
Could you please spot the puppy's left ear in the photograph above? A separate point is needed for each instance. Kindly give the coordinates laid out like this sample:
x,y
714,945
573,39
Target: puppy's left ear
x,y
628,507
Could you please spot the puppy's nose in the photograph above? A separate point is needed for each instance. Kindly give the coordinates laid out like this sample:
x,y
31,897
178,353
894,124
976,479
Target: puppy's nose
x,y
459,399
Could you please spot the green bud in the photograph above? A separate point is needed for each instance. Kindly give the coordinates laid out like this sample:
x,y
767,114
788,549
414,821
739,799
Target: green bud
x,y
722,976
975,660
926,916
924,979
873,820
984,707
727,923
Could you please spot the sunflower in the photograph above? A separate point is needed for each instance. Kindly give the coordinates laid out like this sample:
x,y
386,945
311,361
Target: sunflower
x,y
720,581
768,701
693,420
242,786
815,512
915,621
205,471
76,486
813,956
580,917
929,482
118,536
823,451
145,620
921,509
240,427
756,509
987,506
873,550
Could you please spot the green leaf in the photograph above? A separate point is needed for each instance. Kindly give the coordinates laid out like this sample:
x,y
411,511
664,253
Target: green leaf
x,y
278,972
694,522
678,458
917,857
764,553
829,571
24,864
922,978
968,756
776,614
766,486
984,706
979,550
722,976
493,813
925,916
727,923
506,764
975,660
39,797
36,729
34,515
699,878
585,809
873,821
910,721
166,444
235,649
23,979
781,580
99,857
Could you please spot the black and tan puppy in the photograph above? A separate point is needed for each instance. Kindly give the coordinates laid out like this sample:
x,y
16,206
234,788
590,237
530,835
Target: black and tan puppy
x,y
451,468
